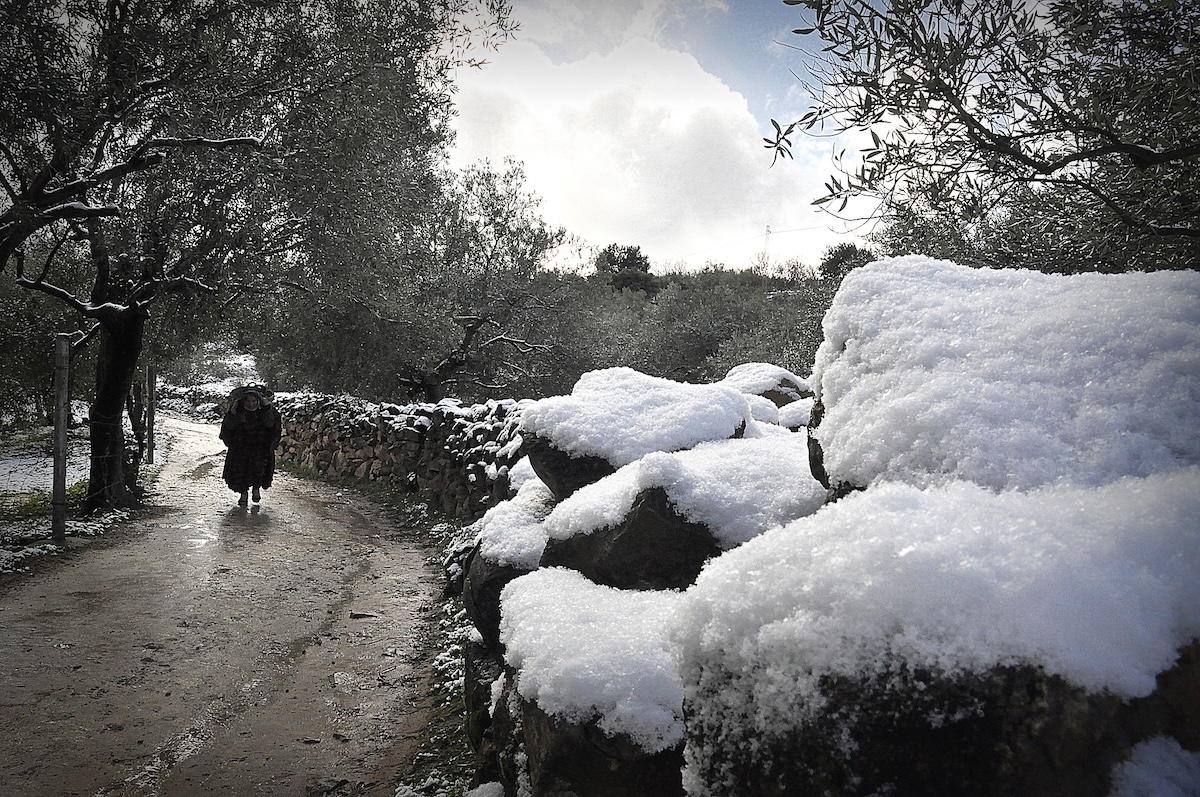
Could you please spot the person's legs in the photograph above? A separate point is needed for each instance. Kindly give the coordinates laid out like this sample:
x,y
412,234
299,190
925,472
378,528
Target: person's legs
x,y
242,498
256,494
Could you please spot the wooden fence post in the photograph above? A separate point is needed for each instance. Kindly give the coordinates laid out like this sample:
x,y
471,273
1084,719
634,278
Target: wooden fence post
x,y
62,419
151,398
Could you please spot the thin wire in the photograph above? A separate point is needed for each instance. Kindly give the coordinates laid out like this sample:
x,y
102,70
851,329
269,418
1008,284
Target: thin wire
x,y
751,238
721,246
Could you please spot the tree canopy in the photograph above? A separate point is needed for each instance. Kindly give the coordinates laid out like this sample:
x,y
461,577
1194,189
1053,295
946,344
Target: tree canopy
x,y
185,145
838,260
448,300
1010,112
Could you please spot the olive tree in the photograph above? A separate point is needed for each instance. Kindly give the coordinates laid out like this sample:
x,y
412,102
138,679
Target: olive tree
x,y
155,140
451,303
488,248
1078,108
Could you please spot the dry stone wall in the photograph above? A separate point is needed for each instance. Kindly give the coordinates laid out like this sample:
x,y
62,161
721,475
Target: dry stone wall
x,y
456,457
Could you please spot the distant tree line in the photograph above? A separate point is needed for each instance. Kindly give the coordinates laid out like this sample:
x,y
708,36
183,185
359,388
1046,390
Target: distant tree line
x,y
520,329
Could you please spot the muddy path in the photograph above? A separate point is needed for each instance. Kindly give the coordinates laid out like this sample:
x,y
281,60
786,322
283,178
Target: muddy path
x,y
204,649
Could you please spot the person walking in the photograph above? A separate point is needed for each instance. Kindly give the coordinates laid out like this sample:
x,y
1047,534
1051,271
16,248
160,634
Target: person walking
x,y
250,429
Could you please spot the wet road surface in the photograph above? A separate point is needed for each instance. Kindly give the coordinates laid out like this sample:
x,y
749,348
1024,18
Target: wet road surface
x,y
205,649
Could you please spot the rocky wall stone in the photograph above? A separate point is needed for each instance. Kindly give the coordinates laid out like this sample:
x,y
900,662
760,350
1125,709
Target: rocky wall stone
x,y
653,547
457,458
569,759
1009,732
562,472
484,582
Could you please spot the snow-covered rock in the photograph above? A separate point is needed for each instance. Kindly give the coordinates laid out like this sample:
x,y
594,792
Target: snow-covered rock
x,y
1010,603
932,372
770,381
617,415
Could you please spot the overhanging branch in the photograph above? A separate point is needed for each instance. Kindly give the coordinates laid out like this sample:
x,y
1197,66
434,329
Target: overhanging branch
x,y
200,141
79,210
53,290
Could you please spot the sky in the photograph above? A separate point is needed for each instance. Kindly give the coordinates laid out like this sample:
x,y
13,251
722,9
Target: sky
x,y
640,123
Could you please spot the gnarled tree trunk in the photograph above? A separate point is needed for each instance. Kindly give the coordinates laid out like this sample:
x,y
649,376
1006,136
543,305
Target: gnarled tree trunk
x,y
121,338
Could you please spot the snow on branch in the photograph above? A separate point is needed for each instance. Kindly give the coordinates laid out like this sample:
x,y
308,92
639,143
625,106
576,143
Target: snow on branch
x,y
200,141
522,346
149,290
53,290
107,175
80,210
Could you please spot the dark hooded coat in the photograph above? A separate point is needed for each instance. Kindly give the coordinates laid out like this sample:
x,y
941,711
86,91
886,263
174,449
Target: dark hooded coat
x,y
251,438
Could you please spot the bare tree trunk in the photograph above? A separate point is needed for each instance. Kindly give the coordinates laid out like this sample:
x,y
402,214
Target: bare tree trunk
x,y
432,383
121,339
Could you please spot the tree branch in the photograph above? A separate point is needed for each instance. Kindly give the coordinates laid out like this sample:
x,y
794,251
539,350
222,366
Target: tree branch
x,y
1127,217
53,290
79,210
1001,144
137,163
522,346
85,337
200,141
13,192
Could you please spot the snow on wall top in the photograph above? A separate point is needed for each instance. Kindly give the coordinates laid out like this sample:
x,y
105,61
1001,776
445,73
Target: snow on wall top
x,y
582,650
931,371
351,415
622,415
1096,584
756,378
511,532
737,488
797,413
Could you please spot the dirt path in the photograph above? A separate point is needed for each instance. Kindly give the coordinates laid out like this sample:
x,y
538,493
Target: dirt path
x,y
204,649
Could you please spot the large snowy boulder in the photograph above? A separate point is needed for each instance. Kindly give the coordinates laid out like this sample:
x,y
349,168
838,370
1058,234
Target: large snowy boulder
x,y
655,522
947,640
931,372
652,547
617,415
591,692
770,381
1009,605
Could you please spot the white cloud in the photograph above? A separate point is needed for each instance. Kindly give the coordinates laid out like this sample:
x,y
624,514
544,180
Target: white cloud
x,y
635,143
583,27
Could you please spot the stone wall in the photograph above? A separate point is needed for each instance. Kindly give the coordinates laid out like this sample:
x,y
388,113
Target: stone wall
x,y
455,457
